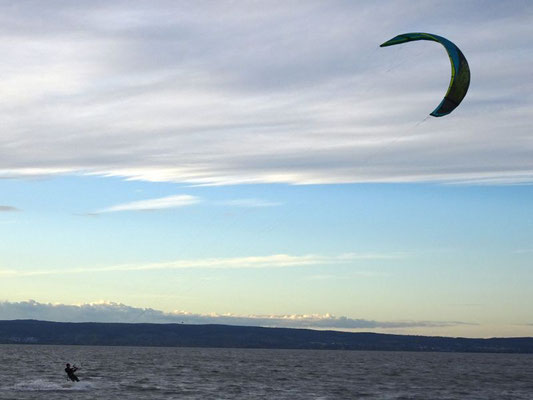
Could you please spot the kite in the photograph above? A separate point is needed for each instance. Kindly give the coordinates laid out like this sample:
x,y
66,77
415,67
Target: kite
x,y
460,79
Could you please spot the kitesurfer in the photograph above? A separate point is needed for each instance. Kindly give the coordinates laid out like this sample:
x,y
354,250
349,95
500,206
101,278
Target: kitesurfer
x,y
70,373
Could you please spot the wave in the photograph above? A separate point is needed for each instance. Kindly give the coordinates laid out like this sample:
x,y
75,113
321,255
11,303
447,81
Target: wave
x,y
41,385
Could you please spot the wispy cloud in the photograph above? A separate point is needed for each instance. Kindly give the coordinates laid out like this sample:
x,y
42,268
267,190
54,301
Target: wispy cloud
x,y
176,201
270,261
116,312
523,251
250,203
354,274
10,272
153,204
8,209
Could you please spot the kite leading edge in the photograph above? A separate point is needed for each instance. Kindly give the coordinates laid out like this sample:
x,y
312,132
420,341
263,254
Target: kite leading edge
x,y
460,79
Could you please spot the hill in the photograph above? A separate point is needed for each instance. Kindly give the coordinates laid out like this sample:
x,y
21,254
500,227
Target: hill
x,y
181,335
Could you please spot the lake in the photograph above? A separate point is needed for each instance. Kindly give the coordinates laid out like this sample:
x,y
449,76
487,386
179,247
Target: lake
x,y
37,372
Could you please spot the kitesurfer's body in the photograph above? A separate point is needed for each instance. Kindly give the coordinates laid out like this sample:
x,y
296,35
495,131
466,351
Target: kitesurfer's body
x,y
70,373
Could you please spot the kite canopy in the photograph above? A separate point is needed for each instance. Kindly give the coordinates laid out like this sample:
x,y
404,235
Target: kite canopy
x,y
460,79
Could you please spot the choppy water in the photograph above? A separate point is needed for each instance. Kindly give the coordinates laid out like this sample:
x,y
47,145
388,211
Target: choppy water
x,y
36,372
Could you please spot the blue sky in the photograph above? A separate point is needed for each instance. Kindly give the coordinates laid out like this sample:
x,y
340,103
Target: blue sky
x,y
266,165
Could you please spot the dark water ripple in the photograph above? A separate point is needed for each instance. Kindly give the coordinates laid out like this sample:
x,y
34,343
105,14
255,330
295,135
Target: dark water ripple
x,y
36,372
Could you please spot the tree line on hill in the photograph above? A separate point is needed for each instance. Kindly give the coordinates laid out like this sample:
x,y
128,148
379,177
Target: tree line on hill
x,y
182,335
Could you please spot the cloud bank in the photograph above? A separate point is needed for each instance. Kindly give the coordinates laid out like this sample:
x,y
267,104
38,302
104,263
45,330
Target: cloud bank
x,y
116,312
297,92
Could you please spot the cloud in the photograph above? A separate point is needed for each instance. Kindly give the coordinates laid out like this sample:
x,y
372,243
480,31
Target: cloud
x,y
300,93
355,274
180,201
8,209
523,251
250,203
270,261
116,312
153,204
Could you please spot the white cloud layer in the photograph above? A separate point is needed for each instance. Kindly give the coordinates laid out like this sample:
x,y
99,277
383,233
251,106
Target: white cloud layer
x,y
296,92
115,312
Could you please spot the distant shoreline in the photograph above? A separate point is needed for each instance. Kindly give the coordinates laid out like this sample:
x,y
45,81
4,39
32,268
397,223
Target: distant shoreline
x,y
230,336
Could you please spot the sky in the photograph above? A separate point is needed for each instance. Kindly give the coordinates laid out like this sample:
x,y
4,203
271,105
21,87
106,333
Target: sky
x,y
266,163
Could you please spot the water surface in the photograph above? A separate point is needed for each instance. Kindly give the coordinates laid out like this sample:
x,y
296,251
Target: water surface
x,y
36,372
